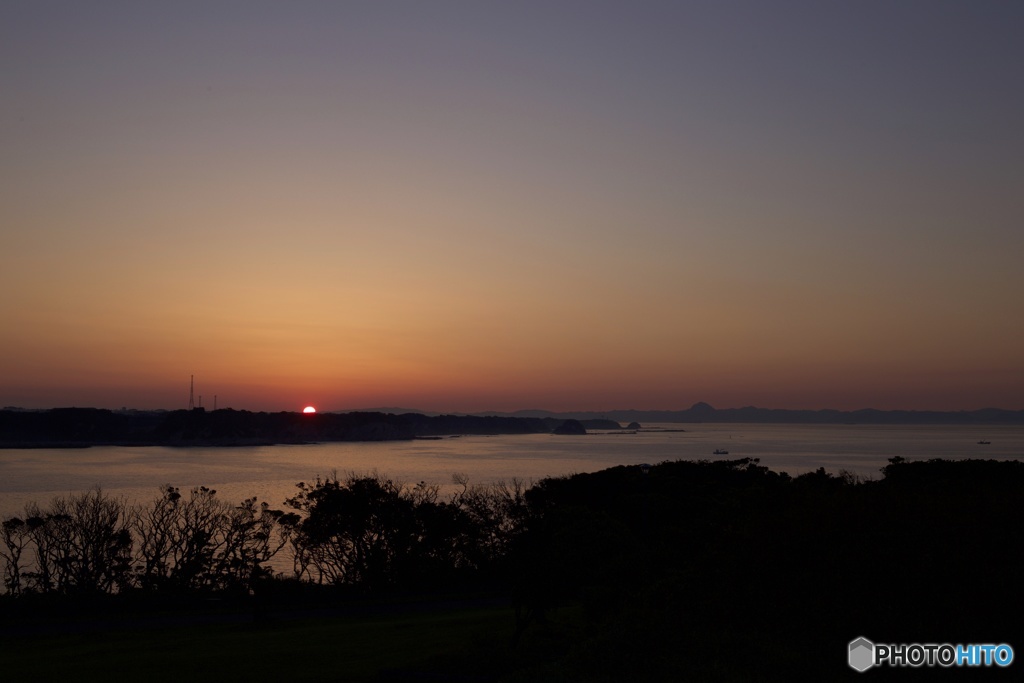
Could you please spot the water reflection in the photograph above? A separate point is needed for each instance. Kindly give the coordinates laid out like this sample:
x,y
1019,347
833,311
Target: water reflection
x,y
271,472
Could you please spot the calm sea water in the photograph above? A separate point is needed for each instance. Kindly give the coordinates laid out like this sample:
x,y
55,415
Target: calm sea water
x,y
271,472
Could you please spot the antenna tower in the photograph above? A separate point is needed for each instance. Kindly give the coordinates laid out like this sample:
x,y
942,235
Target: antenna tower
x,y
191,392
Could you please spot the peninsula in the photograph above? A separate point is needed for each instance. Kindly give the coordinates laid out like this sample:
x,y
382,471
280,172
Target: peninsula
x,y
82,427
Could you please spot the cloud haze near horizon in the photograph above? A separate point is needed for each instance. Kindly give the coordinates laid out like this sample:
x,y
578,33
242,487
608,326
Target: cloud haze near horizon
x,y
467,206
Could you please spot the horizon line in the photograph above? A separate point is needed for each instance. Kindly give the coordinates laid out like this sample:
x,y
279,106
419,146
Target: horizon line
x,y
397,410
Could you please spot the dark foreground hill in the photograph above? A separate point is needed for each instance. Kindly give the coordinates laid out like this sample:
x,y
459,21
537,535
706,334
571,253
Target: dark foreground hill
x,y
80,427
702,571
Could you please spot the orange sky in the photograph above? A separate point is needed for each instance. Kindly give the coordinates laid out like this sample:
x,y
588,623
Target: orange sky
x,y
472,209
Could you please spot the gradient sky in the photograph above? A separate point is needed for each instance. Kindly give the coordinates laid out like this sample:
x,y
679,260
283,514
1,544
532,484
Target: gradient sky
x,y
472,206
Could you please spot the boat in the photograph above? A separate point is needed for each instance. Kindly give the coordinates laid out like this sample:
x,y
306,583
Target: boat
x,y
719,451
984,443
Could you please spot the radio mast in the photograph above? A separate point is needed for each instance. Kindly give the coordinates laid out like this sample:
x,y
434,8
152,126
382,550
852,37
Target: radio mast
x,y
191,392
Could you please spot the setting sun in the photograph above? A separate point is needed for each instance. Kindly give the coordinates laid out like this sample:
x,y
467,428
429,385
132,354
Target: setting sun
x,y
309,409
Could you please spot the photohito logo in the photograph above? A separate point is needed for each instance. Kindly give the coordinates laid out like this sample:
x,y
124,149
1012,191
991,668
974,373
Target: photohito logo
x,y
863,654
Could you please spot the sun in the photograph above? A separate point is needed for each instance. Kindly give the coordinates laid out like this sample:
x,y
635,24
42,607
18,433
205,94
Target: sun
x,y
309,409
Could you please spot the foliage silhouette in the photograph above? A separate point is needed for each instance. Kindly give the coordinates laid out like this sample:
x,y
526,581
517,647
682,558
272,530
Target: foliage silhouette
x,y
93,543
370,531
707,570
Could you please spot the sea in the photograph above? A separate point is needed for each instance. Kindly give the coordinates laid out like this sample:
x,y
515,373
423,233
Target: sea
x,y
270,473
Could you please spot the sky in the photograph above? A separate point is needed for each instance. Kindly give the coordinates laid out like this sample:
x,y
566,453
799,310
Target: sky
x,y
470,206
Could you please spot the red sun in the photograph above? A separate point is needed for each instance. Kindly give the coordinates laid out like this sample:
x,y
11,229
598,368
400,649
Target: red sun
x,y
309,409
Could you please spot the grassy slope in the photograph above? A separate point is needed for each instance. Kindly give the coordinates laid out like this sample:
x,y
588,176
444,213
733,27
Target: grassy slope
x,y
316,649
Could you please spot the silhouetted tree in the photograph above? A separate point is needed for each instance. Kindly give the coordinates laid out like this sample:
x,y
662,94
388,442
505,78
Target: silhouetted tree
x,y
81,544
374,532
496,515
203,542
353,530
15,538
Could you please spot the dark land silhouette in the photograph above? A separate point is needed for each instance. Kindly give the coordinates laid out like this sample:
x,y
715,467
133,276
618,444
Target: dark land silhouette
x,y
720,570
704,412
79,427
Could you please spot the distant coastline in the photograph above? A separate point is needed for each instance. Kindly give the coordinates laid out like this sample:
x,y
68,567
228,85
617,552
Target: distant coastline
x,y
83,427
703,412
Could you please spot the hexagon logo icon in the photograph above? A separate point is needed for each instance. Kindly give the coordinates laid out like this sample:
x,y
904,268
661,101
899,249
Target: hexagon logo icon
x,y
862,654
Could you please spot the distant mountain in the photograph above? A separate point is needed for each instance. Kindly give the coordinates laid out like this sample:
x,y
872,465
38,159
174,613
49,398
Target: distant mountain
x,y
387,410
704,412
535,412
